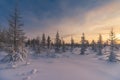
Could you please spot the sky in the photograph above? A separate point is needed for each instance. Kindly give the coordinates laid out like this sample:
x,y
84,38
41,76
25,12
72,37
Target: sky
x,y
68,17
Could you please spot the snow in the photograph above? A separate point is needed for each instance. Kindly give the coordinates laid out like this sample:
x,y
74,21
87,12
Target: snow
x,y
67,66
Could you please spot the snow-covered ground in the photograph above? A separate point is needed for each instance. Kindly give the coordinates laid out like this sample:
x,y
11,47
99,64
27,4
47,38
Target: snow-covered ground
x,y
66,66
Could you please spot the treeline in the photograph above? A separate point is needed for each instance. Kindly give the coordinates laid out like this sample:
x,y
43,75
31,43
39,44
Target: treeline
x,y
14,42
59,44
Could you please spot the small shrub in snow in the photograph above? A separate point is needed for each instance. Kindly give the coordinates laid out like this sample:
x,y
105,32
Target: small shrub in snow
x,y
33,71
15,56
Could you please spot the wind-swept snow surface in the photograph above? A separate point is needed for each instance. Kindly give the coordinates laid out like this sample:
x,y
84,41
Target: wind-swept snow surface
x,y
65,67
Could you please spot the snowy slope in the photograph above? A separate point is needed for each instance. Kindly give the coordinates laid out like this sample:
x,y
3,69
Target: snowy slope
x,y
66,67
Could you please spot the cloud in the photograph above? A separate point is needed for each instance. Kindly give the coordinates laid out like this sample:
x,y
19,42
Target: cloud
x,y
105,16
76,20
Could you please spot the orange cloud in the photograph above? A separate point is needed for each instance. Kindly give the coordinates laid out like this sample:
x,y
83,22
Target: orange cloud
x,y
95,21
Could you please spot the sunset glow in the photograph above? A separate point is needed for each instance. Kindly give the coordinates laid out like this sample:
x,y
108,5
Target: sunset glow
x,y
59,39
68,17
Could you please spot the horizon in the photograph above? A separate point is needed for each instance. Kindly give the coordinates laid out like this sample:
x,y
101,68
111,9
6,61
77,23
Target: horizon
x,y
69,17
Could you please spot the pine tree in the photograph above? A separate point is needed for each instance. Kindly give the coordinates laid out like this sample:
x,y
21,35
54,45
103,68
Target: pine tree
x,y
48,42
87,43
33,43
83,44
100,45
93,46
43,42
72,44
112,56
3,39
63,46
16,38
28,43
37,46
57,43
15,32
106,43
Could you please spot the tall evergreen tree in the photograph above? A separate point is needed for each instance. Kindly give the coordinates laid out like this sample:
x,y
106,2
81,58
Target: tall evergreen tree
x,y
99,44
93,46
57,43
63,46
112,56
72,44
48,42
28,43
37,46
43,42
87,43
16,38
3,39
83,44
15,32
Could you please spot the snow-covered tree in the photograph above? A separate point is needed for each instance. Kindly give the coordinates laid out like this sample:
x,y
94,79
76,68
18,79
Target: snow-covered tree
x,y
93,46
112,56
37,46
3,39
15,32
106,43
83,44
72,44
57,43
49,46
99,45
63,46
87,43
48,42
28,43
16,38
43,42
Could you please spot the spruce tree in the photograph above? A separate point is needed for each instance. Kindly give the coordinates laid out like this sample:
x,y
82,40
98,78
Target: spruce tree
x,y
16,38
15,32
43,42
37,46
100,46
48,42
83,44
93,46
3,39
28,43
63,46
72,44
112,56
57,43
